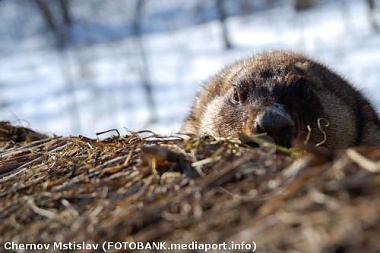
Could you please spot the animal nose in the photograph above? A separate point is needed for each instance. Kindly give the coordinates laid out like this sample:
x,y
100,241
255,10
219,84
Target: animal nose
x,y
276,123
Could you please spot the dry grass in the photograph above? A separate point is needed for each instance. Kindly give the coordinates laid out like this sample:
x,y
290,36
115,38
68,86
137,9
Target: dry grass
x,y
148,188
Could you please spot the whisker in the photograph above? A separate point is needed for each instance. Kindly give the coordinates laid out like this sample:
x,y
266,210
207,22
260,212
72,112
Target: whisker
x,y
322,131
308,134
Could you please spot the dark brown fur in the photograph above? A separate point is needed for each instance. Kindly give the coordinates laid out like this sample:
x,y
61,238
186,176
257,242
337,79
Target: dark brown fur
x,y
309,102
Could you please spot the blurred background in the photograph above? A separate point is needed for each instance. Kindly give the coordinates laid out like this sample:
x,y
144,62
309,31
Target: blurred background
x,y
73,67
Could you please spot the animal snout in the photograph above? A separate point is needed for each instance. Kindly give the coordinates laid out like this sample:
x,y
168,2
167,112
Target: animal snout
x,y
277,123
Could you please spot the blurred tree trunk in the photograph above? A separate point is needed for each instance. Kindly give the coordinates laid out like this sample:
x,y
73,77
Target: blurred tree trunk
x,y
64,4
300,5
222,17
371,6
143,67
59,22
47,15
246,6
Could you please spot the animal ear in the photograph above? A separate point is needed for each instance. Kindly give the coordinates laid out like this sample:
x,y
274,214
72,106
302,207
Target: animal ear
x,y
308,70
301,68
239,94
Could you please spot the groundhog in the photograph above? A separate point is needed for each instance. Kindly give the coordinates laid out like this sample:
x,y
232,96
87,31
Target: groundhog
x,y
287,96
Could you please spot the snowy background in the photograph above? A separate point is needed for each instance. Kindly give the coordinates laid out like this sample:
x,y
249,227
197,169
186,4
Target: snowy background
x,y
89,74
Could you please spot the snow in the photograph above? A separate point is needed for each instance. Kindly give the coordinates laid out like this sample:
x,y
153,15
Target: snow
x,y
91,88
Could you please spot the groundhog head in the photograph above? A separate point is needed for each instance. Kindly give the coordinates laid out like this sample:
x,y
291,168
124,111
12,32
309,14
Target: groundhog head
x,y
285,95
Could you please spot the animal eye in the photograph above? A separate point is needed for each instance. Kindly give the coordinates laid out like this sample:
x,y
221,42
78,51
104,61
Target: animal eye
x,y
303,90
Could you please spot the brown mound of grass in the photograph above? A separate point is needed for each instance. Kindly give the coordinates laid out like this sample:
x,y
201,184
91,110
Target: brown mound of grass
x,y
148,188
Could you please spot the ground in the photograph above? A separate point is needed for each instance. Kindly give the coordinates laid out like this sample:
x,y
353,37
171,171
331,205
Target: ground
x,y
78,192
